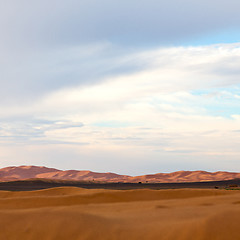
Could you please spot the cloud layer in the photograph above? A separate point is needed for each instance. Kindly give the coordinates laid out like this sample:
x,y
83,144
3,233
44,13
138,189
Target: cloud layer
x,y
125,22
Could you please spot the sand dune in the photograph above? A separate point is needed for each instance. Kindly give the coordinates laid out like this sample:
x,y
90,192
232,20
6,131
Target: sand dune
x,y
61,197
27,172
75,213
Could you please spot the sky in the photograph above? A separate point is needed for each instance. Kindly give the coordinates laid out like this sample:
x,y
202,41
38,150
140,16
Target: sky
x,y
131,87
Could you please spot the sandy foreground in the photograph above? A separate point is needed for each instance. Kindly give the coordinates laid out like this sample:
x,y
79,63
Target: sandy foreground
x,y
76,213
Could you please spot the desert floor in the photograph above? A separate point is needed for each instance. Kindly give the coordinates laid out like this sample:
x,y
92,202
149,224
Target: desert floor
x,y
75,213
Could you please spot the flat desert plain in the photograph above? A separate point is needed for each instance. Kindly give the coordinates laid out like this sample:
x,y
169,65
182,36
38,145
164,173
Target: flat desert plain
x,y
77,213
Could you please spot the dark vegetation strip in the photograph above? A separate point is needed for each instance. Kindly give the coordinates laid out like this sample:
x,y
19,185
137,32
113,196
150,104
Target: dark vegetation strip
x,y
37,184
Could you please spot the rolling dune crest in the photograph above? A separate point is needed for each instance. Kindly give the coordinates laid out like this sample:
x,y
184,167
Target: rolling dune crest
x,y
83,214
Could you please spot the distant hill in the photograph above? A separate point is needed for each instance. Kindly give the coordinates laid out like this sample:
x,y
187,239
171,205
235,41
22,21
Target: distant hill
x,y
29,172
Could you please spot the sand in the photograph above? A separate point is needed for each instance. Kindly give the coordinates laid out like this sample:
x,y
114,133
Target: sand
x,y
75,213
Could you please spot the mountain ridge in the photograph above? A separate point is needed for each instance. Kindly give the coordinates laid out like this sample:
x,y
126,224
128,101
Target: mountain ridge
x,y
27,172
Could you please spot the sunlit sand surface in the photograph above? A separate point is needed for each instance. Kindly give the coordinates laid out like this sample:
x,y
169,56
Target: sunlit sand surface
x,y
76,213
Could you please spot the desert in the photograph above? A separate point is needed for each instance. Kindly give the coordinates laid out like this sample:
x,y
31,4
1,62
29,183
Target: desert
x,y
78,213
69,205
119,120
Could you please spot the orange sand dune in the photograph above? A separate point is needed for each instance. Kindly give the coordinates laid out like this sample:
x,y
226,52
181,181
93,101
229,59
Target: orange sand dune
x,y
27,172
75,213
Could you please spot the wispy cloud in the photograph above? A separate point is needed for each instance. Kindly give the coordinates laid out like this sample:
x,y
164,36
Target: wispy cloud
x,y
32,131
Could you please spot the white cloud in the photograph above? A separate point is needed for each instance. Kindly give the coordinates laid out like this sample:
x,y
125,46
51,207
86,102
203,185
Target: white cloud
x,y
170,75
178,107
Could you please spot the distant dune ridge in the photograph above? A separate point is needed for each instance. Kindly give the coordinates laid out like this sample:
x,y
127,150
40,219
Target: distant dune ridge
x,y
28,172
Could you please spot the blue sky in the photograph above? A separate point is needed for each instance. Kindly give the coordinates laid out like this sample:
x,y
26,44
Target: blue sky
x,y
131,87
